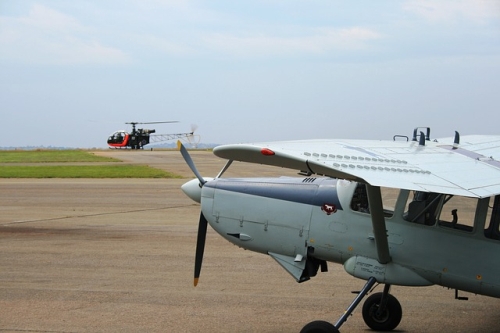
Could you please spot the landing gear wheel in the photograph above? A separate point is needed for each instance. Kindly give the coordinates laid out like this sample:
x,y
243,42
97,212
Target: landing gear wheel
x,y
319,326
385,320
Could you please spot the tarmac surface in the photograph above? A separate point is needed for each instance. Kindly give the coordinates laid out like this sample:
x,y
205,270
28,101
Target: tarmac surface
x,y
92,255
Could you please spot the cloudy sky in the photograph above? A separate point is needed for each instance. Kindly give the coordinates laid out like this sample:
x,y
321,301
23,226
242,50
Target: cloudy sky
x,y
72,72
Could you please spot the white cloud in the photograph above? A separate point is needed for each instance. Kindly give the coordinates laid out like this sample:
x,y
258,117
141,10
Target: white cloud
x,y
41,17
318,41
478,11
46,36
163,45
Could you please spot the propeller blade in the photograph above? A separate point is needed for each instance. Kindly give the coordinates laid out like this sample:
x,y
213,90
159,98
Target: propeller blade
x,y
200,247
190,162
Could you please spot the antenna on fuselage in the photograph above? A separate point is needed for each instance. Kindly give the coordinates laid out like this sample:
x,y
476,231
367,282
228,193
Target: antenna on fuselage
x,y
456,142
421,140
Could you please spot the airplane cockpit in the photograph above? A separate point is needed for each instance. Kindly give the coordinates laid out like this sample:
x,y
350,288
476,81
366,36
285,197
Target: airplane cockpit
x,y
422,209
431,209
117,137
459,213
359,202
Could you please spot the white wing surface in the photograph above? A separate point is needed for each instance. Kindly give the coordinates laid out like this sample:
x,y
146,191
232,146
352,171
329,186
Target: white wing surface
x,y
471,169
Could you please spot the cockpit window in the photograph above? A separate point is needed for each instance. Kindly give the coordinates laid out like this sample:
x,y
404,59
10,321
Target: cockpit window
x,y
446,210
422,208
359,202
458,213
492,229
117,137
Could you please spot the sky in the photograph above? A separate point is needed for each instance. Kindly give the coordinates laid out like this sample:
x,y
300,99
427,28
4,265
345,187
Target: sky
x,y
73,72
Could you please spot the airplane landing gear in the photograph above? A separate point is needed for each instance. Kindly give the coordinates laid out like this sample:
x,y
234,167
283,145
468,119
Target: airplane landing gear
x,y
381,312
319,326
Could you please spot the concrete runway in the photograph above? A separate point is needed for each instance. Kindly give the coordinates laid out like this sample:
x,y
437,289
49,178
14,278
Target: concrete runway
x,y
118,256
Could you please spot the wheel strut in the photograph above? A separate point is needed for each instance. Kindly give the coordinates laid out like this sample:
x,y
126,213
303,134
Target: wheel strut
x,y
367,287
384,299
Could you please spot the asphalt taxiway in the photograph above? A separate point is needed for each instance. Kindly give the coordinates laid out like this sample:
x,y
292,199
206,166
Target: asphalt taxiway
x,y
87,255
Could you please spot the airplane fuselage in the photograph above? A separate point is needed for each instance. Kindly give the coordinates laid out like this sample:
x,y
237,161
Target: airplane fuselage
x,y
304,222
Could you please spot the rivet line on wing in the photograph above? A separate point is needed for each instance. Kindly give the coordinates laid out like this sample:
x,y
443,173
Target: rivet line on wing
x,y
379,168
394,165
356,158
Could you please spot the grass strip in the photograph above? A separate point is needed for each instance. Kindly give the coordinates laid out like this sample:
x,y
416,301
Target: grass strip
x,y
97,171
48,156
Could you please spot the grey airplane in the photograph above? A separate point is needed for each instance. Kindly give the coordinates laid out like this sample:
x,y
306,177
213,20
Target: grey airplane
x,y
407,212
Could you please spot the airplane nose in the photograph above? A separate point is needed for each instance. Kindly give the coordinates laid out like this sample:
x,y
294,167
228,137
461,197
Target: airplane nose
x,y
193,189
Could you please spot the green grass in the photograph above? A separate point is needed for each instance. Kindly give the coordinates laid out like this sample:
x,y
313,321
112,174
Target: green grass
x,y
92,171
50,156
35,167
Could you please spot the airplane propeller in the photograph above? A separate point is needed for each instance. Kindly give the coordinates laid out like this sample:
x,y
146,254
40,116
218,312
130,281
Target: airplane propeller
x,y
193,190
190,162
200,247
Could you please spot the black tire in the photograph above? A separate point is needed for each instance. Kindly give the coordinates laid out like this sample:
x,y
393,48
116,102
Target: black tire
x,y
389,319
319,326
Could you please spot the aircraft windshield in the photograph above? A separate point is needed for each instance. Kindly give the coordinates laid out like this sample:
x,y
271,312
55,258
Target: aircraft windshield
x,y
359,202
117,137
492,229
422,208
454,212
435,209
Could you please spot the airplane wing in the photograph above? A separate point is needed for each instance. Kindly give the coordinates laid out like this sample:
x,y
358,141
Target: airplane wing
x,y
472,168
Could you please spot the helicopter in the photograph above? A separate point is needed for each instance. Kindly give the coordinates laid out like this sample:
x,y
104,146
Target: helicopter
x,y
139,137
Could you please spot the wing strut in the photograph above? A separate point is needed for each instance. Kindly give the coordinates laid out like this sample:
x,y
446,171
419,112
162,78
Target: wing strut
x,y
378,222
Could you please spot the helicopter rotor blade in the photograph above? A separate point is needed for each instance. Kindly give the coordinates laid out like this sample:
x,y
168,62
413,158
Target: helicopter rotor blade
x,y
152,122
190,162
160,122
200,247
